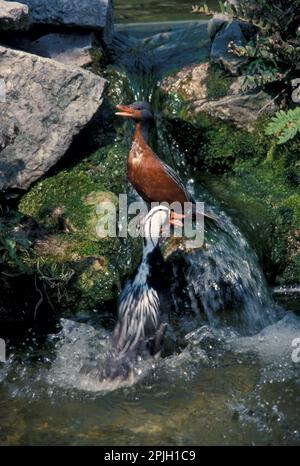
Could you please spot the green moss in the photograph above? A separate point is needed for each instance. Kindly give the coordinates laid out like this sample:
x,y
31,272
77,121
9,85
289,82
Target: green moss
x,y
256,181
68,190
214,146
292,271
120,88
267,209
65,190
96,287
107,168
225,146
65,204
218,82
98,60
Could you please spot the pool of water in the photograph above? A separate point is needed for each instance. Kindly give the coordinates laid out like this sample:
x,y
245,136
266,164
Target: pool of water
x,y
155,10
219,388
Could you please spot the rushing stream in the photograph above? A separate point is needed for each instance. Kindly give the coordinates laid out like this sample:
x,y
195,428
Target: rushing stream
x,y
227,375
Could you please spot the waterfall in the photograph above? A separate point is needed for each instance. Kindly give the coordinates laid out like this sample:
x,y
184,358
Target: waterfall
x,y
223,280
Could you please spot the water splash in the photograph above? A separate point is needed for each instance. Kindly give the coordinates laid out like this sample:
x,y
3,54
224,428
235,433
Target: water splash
x,y
82,353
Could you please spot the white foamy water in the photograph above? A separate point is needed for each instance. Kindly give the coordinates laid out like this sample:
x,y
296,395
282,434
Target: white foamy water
x,y
81,355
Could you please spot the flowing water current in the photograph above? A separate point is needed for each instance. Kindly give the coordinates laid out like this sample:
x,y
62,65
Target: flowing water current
x,y
230,373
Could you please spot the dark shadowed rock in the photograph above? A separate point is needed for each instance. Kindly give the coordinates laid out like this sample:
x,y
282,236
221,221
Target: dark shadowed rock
x,y
70,49
13,16
215,24
219,50
92,14
46,105
219,21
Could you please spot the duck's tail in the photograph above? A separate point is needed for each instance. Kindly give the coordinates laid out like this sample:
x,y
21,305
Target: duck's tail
x,y
121,364
210,218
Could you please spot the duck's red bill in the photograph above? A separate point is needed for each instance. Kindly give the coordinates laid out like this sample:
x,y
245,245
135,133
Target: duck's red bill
x,y
125,111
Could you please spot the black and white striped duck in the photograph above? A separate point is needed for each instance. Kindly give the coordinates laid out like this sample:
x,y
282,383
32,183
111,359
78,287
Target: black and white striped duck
x,y
144,302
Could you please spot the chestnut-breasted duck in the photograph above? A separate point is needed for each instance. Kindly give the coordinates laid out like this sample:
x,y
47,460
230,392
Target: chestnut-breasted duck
x,y
154,180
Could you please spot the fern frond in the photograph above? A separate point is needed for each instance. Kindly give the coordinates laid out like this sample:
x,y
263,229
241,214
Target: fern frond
x,y
284,125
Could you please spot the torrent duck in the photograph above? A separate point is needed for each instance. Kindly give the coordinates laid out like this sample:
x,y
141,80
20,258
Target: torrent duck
x,y
153,179
144,302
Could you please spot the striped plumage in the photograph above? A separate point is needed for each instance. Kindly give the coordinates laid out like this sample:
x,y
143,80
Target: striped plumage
x,y
144,302
140,300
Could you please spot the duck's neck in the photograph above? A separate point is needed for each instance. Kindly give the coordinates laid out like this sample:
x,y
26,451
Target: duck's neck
x,y
142,131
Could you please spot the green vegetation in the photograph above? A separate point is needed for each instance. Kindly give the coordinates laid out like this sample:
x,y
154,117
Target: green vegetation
x,y
81,270
273,53
256,180
285,125
255,175
12,246
267,207
218,82
275,47
64,194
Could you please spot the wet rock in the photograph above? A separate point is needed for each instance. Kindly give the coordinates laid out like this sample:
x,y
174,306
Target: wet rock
x,y
69,49
197,82
220,21
47,104
241,109
219,50
191,82
91,14
215,24
13,16
208,89
237,86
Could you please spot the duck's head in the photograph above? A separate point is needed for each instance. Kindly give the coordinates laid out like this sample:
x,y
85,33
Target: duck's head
x,y
158,219
154,222
138,111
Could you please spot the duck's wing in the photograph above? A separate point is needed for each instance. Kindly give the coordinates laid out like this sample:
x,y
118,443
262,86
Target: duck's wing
x,y
173,175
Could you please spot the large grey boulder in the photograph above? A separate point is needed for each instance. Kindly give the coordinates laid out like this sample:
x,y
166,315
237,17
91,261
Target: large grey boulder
x,y
241,109
91,14
71,49
13,16
220,47
46,105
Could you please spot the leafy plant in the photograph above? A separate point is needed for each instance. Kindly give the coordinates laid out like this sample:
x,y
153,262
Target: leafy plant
x,y
285,125
274,52
12,247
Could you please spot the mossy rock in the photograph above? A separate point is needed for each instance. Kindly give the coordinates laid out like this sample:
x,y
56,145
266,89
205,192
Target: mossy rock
x,y
267,209
215,146
256,181
120,88
89,269
218,82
